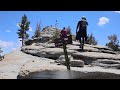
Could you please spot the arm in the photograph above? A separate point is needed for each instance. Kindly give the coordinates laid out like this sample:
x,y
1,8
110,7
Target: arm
x,y
77,27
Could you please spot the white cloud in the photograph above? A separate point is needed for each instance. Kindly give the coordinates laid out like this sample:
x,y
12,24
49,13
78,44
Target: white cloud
x,y
10,44
14,48
19,43
103,21
7,31
117,12
6,44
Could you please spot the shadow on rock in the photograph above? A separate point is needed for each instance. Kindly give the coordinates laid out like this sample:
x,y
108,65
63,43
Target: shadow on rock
x,y
69,75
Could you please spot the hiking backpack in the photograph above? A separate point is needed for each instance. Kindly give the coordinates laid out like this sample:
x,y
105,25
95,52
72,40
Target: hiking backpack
x,y
83,24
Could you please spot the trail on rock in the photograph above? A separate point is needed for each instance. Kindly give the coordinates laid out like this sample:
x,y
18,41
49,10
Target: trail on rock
x,y
42,57
12,63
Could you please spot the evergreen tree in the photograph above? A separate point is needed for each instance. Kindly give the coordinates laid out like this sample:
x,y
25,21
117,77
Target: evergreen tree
x,y
0,54
1,50
73,37
69,31
114,43
91,40
69,34
56,34
38,31
24,26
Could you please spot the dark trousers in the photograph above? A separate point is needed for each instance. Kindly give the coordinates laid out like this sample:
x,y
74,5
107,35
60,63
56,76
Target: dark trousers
x,y
82,35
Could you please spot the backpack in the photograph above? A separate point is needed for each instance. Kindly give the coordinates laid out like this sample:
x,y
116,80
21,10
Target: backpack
x,y
83,24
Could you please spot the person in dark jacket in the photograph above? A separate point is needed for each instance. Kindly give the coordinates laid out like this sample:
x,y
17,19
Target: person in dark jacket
x,y
82,33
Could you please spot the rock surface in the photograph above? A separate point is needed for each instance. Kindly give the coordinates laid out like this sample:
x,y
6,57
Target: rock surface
x,y
73,63
40,69
12,63
95,58
90,53
39,61
107,63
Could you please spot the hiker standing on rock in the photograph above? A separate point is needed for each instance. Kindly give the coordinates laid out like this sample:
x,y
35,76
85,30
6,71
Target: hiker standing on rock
x,y
64,33
82,33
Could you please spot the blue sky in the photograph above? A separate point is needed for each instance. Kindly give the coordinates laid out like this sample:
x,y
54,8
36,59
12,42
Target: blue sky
x,y
101,24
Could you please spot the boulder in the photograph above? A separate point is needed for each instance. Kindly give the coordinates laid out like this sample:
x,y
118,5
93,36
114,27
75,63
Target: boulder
x,y
77,63
73,63
107,63
62,57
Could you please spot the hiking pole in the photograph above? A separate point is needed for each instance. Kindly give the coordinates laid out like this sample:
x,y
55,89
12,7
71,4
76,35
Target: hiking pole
x,y
67,60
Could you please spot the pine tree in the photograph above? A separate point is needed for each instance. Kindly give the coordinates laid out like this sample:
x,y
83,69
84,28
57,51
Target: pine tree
x,y
38,31
0,54
73,37
24,26
1,50
91,40
114,42
69,34
69,31
56,34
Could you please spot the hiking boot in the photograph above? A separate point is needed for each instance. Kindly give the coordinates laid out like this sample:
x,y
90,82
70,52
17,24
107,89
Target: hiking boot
x,y
80,46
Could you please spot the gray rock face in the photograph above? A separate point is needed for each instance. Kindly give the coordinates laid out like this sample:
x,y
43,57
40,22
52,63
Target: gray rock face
x,y
97,62
91,53
107,63
96,55
42,69
73,63
62,57
69,75
77,63
53,53
47,33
